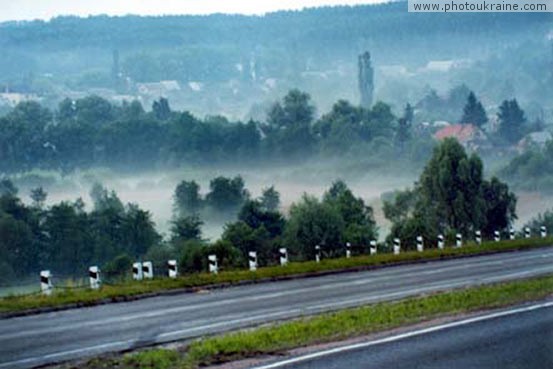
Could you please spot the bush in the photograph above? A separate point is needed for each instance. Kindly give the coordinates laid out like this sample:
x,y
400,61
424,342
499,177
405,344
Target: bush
x,y
192,257
119,267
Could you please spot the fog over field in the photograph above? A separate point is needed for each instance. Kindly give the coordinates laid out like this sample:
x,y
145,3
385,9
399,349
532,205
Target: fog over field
x,y
154,191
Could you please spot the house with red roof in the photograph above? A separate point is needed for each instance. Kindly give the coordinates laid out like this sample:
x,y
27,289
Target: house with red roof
x,y
468,135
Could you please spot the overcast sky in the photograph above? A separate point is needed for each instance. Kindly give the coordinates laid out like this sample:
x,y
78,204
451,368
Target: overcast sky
x,y
46,9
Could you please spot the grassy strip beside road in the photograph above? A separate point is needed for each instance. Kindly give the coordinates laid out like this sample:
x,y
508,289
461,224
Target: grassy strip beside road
x,y
132,290
331,327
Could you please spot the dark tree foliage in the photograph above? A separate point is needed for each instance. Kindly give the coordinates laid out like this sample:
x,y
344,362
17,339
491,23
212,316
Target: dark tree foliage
x,y
511,121
186,228
270,199
161,109
226,194
360,226
38,195
187,199
311,223
91,132
256,216
451,196
66,239
339,218
473,112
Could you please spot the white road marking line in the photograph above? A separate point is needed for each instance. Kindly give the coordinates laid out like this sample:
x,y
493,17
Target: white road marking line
x,y
398,337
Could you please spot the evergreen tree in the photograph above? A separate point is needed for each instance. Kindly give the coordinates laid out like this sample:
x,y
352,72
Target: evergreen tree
x,y
473,112
511,121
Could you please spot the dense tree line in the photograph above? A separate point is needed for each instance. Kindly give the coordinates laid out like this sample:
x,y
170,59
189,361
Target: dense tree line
x,y
92,132
330,222
64,237
451,196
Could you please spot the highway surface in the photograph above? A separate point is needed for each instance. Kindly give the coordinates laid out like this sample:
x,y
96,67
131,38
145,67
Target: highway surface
x,y
52,337
518,338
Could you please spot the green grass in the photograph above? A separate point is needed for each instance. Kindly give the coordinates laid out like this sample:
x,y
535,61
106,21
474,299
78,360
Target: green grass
x,y
331,327
131,290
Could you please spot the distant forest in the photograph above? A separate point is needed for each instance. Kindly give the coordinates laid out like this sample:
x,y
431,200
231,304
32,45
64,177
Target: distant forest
x,y
195,46
233,56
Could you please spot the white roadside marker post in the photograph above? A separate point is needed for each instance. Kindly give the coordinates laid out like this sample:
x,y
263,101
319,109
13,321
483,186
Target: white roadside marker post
x,y
511,233
46,282
213,267
496,236
172,270
283,254
420,244
527,232
348,250
318,254
459,240
373,247
397,246
543,231
94,277
478,237
148,270
441,241
137,271
252,260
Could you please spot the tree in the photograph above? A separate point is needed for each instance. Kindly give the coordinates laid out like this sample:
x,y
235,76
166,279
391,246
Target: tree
x,y
313,223
511,121
451,196
270,199
473,112
360,226
161,109
296,109
70,242
139,230
38,195
227,194
256,216
187,199
501,205
16,241
186,228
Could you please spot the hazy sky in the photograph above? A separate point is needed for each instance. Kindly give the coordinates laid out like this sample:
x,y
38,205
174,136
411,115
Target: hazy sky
x,y
46,9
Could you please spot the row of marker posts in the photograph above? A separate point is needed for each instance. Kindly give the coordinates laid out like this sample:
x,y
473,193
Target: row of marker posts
x,y
145,270
46,285
252,260
459,239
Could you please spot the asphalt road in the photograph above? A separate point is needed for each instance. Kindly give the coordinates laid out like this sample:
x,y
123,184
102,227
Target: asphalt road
x,y
52,337
520,338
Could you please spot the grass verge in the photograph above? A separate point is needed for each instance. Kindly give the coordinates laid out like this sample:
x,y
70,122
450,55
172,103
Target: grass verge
x,y
331,327
15,305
